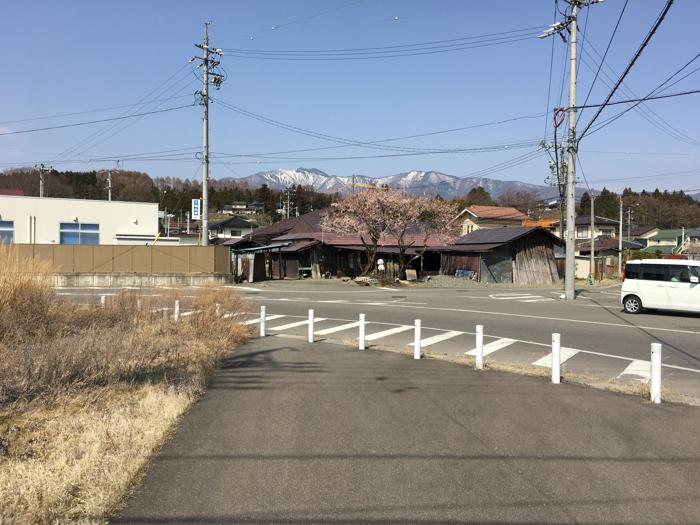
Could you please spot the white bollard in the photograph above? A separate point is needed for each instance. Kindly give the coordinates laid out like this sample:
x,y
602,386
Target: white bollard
x,y
311,325
556,358
176,312
479,362
655,383
218,310
416,340
263,321
138,304
362,332
103,301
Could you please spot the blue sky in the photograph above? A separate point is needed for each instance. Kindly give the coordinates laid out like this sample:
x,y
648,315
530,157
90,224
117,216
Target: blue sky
x,y
73,56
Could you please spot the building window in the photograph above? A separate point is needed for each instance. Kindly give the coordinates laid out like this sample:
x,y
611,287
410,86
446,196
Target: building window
x,y
582,232
7,232
79,233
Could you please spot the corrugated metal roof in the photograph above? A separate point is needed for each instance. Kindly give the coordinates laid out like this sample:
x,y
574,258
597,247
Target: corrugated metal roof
x,y
495,235
299,246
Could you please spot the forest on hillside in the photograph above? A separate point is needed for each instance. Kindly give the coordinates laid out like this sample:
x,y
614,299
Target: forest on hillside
x,y
170,193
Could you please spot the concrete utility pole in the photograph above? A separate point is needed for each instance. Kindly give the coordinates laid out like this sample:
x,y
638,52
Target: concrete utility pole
x,y
570,23
619,243
570,274
42,175
216,79
592,239
109,185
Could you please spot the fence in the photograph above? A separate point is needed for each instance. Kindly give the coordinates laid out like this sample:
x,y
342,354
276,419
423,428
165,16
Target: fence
x,y
127,259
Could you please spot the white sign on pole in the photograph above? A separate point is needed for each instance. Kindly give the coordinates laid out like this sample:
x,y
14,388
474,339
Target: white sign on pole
x,y
196,209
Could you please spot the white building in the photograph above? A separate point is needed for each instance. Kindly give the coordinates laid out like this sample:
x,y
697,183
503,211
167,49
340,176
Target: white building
x,y
47,220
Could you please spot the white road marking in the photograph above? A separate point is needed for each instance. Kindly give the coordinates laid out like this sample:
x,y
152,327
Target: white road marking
x,y
641,369
390,331
248,288
437,338
564,353
338,301
255,321
496,345
298,323
372,304
338,328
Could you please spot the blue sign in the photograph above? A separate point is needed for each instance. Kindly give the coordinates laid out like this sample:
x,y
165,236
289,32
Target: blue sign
x,y
196,209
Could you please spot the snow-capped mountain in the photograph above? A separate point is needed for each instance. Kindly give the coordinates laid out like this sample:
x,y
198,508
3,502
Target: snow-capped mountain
x,y
414,182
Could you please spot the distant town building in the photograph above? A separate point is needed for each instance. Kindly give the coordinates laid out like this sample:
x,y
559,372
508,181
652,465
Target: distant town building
x,y
243,208
233,228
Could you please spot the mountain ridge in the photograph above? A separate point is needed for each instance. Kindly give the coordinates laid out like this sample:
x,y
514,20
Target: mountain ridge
x,y
415,182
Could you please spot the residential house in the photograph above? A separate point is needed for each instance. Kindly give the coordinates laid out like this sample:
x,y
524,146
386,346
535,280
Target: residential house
x,y
477,217
512,254
602,227
233,228
642,234
665,242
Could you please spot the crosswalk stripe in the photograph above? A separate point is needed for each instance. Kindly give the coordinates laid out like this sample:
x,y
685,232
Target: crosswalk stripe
x,y
257,320
298,323
490,348
564,353
638,368
437,338
390,331
338,328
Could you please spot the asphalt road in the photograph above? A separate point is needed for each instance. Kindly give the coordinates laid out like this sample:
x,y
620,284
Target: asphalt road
x,y
602,341
296,433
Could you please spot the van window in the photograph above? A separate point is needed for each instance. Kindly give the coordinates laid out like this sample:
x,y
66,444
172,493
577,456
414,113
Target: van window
x,y
678,274
653,272
694,270
632,271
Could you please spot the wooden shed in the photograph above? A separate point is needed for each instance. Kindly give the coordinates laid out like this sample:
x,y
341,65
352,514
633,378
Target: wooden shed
x,y
519,255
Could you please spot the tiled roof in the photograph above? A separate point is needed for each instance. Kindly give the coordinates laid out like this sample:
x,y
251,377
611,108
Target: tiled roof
x,y
495,235
496,212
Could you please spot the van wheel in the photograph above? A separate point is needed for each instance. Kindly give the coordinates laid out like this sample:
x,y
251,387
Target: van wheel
x,y
632,304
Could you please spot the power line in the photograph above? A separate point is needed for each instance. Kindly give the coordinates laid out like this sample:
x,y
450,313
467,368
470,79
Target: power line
x,y
643,99
105,129
645,112
95,121
99,110
406,53
380,48
636,55
549,84
605,54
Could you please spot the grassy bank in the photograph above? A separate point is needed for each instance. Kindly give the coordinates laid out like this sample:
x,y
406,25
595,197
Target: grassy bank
x,y
88,394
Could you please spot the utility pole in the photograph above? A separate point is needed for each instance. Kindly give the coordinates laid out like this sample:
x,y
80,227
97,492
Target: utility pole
x,y
629,223
571,24
570,274
216,79
42,174
592,239
619,243
109,185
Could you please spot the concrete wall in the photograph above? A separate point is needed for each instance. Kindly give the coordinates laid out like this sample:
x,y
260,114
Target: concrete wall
x,y
138,280
128,259
37,220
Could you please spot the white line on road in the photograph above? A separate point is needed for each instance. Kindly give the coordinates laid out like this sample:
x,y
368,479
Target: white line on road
x,y
564,353
390,331
641,369
437,338
298,323
336,301
494,346
338,328
254,321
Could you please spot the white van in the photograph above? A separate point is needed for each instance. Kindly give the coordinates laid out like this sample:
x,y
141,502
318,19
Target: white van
x,y
664,284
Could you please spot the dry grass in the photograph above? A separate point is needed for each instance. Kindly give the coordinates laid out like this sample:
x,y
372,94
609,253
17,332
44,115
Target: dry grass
x,y
88,393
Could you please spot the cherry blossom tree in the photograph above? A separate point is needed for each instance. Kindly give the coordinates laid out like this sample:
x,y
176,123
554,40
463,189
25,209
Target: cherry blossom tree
x,y
392,217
